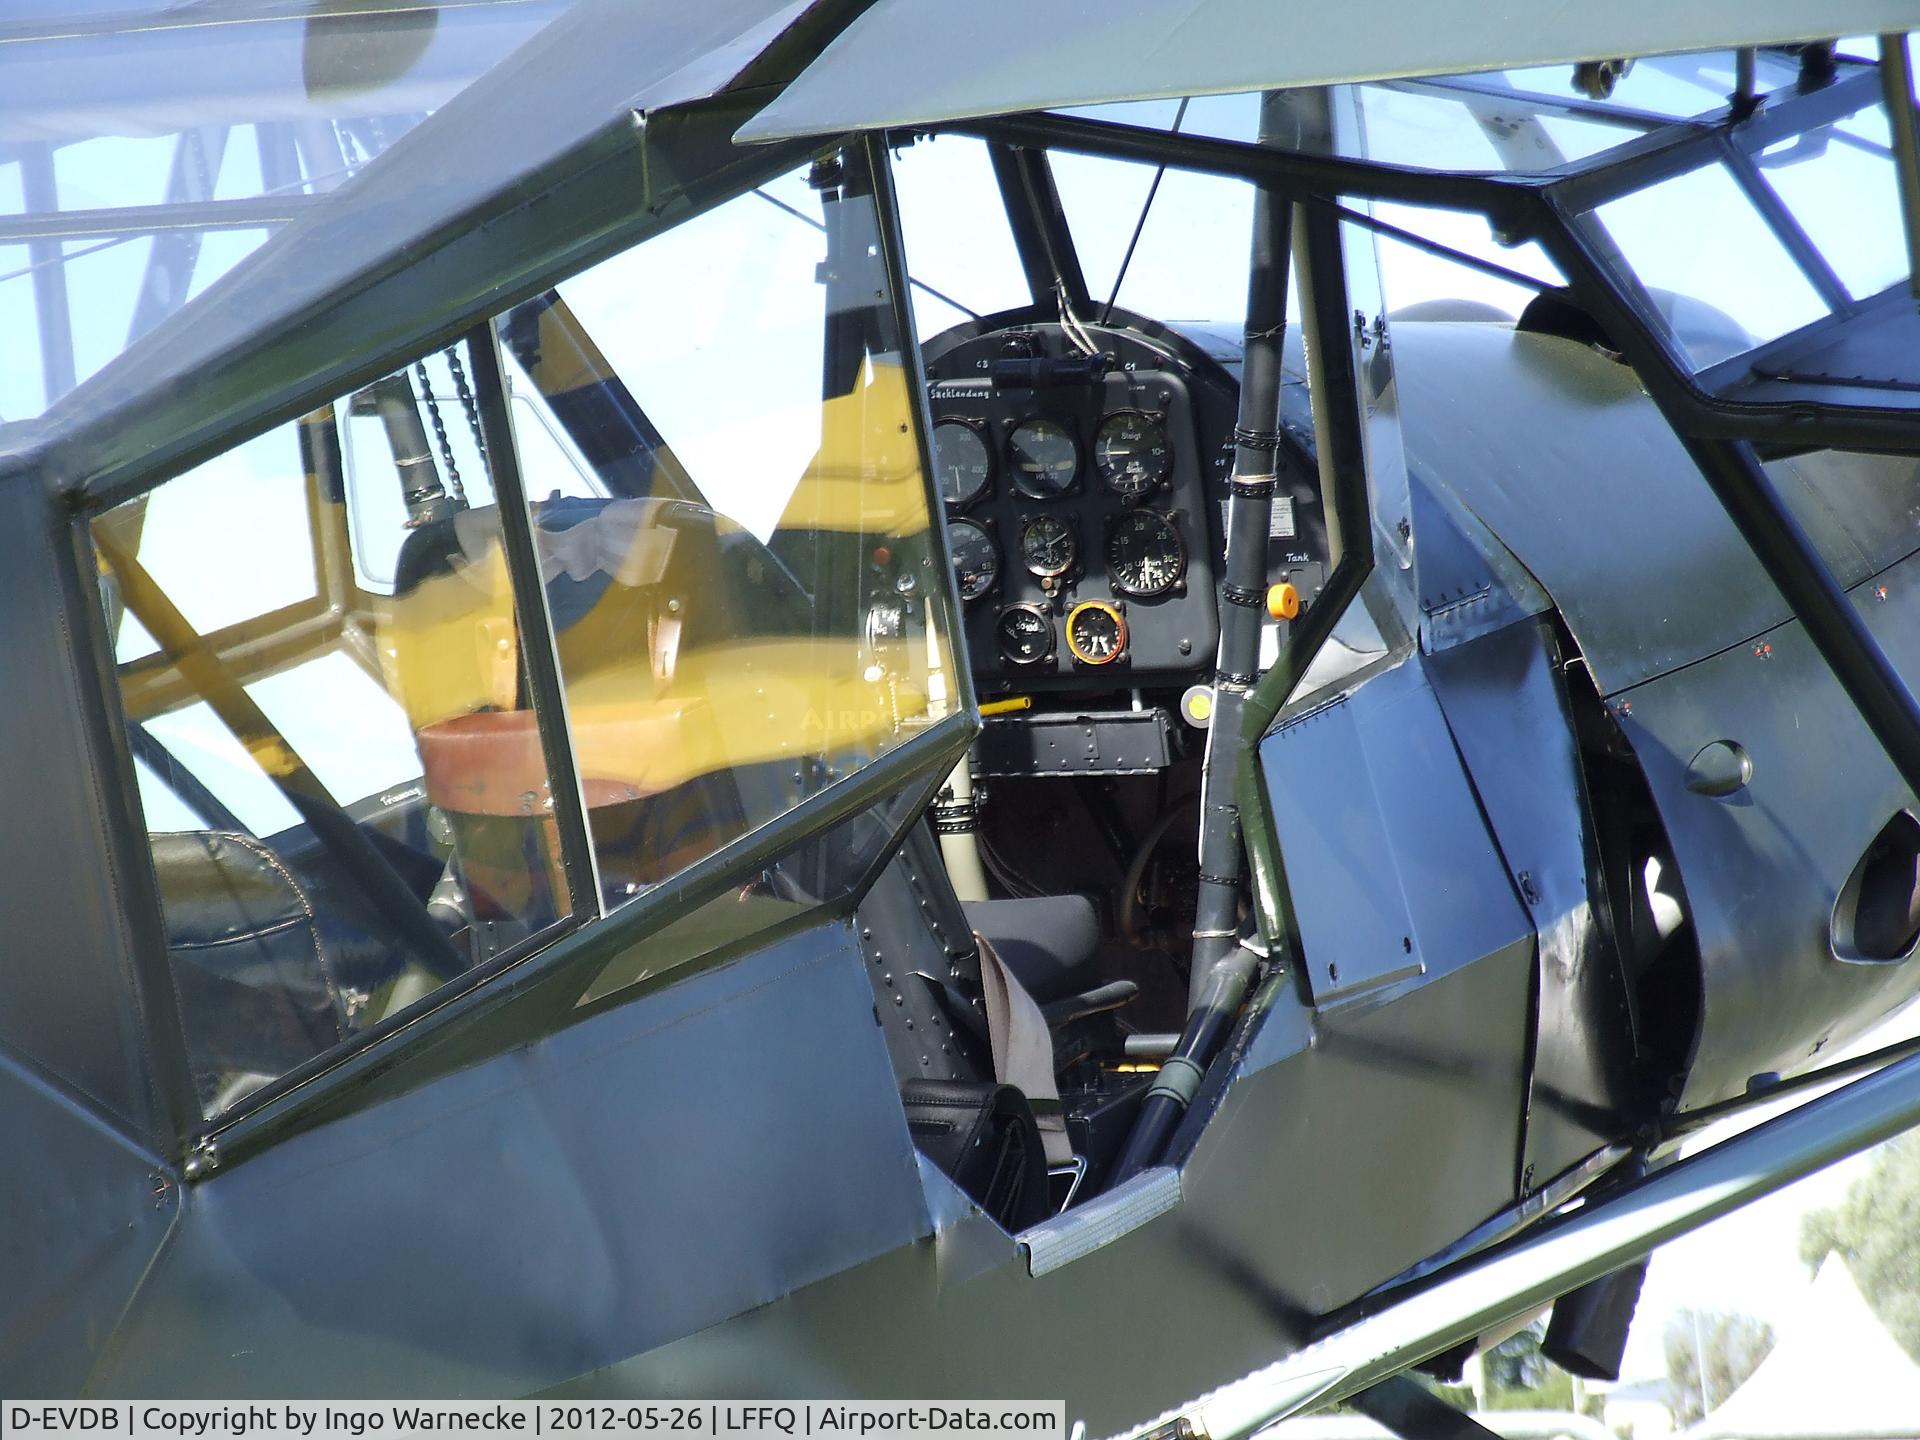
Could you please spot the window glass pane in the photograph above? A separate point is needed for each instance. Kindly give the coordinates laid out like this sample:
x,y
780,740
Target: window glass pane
x,y
1718,274
1840,184
1191,261
251,490
1101,199
752,607
1415,277
957,239
1407,124
346,798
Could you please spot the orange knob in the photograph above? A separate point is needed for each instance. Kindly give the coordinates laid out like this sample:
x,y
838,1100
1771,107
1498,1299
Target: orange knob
x,y
1283,601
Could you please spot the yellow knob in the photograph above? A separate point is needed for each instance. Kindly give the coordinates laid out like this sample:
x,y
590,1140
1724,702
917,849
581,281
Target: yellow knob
x,y
1283,601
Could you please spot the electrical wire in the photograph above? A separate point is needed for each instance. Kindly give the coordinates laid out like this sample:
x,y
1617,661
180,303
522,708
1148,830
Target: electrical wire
x,y
1074,328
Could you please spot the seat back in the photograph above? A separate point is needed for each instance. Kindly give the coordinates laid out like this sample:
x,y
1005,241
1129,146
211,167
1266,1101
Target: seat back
x,y
257,992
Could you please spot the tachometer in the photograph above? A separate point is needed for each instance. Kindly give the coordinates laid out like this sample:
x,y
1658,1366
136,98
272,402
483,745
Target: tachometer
x,y
1096,632
1048,546
1045,459
1023,634
1132,452
961,461
976,559
1145,555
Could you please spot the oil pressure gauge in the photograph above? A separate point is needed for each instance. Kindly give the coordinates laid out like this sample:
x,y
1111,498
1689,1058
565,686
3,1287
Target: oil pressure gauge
x,y
1096,632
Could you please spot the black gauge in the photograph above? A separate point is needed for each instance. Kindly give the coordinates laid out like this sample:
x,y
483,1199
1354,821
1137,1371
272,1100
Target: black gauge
x,y
1132,453
1145,556
1048,546
1024,634
961,461
1044,457
976,560
1096,632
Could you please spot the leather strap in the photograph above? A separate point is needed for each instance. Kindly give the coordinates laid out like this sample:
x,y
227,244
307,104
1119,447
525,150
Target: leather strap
x,y
1023,1050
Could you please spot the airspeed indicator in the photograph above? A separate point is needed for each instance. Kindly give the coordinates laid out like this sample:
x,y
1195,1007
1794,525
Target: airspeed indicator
x,y
961,461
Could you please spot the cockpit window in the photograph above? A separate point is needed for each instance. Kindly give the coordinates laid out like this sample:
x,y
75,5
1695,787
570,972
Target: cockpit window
x,y
1171,244
327,849
1720,278
964,264
1840,185
323,648
755,610
150,152
1674,87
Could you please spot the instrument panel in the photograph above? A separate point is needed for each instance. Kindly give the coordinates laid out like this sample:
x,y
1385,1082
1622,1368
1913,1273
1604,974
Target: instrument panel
x,y
1083,497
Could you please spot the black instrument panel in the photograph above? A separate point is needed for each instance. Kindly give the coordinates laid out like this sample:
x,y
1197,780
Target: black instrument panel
x,y
1084,498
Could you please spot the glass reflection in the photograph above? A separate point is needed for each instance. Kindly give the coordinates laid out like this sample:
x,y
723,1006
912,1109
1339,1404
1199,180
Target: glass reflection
x,y
318,656
746,602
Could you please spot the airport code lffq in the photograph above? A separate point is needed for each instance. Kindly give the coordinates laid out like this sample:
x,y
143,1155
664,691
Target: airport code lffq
x,y
692,1419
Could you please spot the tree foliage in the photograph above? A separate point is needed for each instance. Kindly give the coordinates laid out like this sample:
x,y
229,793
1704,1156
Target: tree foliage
x,y
1876,1230
1710,1353
1519,1377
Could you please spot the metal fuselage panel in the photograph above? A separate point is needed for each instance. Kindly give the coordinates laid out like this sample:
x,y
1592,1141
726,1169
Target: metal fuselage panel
x,y
1329,1153
1576,473
1506,703
85,1216
72,999
1765,865
708,1147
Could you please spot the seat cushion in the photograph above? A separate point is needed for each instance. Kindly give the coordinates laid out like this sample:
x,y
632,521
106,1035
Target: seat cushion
x,y
1047,942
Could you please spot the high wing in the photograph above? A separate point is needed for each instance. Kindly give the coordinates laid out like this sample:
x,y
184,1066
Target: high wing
x,y
573,99
913,62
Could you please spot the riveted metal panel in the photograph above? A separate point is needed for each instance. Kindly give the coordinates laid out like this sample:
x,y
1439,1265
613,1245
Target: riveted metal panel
x,y
1469,583
1321,1120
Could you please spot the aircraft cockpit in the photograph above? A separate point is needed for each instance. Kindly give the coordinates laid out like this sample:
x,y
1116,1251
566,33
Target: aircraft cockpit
x,y
688,702
1082,311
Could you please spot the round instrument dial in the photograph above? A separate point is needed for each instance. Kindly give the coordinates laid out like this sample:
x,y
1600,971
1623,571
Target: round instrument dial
x,y
976,559
961,461
1096,632
1048,546
1024,634
1045,459
1145,555
1132,453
